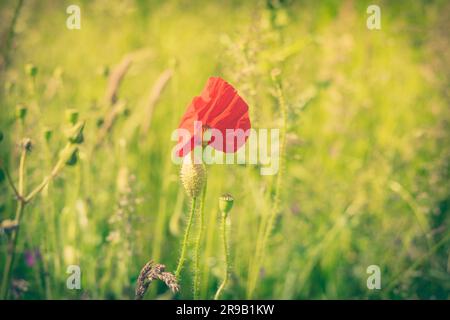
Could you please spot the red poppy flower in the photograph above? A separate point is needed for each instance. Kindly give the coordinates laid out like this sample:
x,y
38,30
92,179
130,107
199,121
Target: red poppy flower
x,y
219,108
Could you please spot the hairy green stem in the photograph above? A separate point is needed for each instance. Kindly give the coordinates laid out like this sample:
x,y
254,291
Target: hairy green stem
x,y
185,239
226,253
209,249
198,245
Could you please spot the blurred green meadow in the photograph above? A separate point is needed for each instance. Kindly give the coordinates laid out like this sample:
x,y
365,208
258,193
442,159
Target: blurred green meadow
x,y
365,169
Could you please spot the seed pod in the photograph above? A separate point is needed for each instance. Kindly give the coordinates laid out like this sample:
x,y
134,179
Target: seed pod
x,y
193,177
226,203
72,116
76,133
31,69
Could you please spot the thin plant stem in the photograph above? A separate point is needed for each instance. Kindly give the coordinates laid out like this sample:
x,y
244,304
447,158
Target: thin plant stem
x,y
11,33
226,254
21,186
267,228
197,245
59,165
22,201
186,238
399,276
209,247
10,181
15,234
11,253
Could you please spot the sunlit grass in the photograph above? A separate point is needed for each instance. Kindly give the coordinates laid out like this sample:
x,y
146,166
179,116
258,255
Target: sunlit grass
x,y
366,177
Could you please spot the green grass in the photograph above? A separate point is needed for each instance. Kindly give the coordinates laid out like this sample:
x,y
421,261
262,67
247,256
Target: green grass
x,y
366,163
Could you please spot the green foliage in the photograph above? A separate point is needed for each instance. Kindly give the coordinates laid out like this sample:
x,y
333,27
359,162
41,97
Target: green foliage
x,y
366,177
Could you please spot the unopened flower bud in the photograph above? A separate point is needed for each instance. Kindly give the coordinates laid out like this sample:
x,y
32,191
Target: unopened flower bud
x,y
76,133
226,203
48,134
21,112
104,71
193,177
99,122
73,158
31,69
1,136
72,116
26,144
126,112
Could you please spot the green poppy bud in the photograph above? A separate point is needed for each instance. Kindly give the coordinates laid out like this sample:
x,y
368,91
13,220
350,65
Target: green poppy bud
x,y
26,144
126,112
99,122
48,134
31,69
226,203
76,133
73,158
193,177
21,112
104,71
72,116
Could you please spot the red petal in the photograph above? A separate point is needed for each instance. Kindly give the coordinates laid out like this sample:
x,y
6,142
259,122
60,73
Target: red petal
x,y
219,106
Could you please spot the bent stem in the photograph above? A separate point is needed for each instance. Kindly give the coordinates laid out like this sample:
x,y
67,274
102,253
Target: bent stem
x,y
15,234
58,166
197,245
185,239
225,250
22,202
11,252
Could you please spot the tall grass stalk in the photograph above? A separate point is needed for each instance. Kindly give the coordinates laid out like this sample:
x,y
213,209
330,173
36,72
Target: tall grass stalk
x,y
267,227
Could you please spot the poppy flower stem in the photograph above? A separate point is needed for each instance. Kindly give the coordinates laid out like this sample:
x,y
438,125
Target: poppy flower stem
x,y
197,245
226,254
185,239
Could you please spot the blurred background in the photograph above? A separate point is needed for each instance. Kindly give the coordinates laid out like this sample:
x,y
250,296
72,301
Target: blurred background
x,y
365,179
